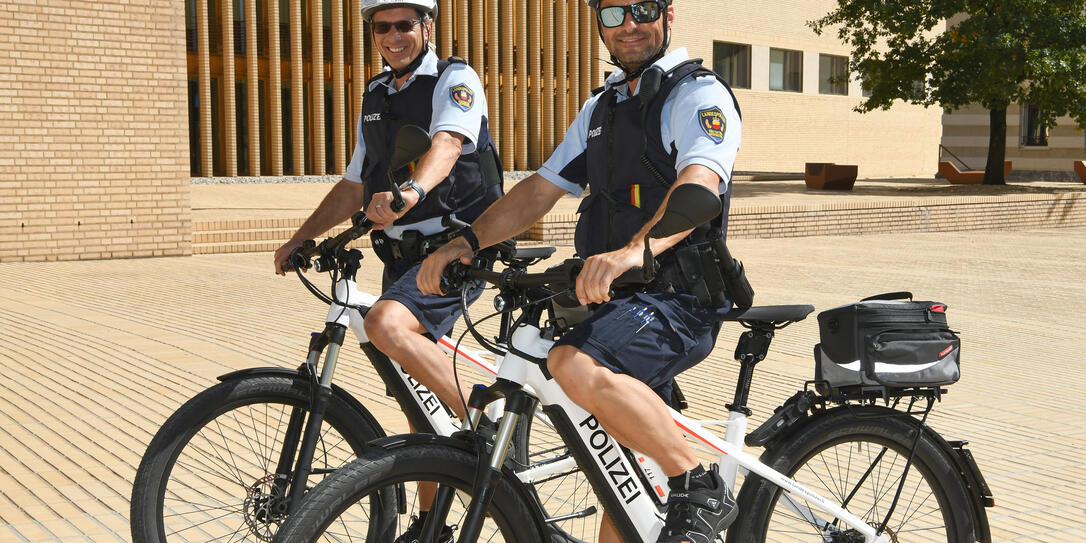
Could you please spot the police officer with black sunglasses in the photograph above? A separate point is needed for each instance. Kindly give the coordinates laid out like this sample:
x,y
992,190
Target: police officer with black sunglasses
x,y
659,121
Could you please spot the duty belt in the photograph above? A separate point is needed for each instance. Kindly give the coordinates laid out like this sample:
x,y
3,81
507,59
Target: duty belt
x,y
413,246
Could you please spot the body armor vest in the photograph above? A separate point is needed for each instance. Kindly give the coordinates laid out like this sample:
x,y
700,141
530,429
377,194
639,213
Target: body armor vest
x,y
629,171
475,180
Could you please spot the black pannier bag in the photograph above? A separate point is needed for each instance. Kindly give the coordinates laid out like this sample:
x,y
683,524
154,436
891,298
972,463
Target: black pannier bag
x,y
888,340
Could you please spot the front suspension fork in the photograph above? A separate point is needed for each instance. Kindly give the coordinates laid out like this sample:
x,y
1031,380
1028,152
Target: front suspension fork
x,y
321,392
488,473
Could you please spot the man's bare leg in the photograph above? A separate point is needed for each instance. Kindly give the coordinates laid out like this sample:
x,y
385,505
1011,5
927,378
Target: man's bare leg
x,y
628,409
395,331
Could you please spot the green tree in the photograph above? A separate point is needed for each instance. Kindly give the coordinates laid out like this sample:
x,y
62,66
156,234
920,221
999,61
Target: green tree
x,y
998,52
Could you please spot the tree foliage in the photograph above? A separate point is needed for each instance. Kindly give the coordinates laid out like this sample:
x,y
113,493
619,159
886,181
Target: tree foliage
x,y
993,53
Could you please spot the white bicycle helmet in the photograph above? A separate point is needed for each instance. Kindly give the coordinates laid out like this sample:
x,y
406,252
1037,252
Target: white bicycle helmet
x,y
369,7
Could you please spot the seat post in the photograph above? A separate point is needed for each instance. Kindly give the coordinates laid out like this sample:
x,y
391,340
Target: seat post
x,y
752,348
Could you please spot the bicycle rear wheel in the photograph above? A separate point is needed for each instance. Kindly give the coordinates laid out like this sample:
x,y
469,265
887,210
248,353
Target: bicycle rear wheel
x,y
374,498
208,474
856,456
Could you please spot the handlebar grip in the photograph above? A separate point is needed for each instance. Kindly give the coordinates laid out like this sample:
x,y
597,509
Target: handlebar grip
x,y
632,276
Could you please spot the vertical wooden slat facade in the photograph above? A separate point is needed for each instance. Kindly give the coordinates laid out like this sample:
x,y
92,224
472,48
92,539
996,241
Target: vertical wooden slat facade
x,y
339,113
228,111
274,89
297,88
537,59
203,55
252,86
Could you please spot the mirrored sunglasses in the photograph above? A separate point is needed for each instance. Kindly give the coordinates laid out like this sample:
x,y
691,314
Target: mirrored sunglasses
x,y
403,27
642,12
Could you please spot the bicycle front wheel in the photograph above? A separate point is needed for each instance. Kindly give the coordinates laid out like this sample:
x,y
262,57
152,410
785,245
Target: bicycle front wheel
x,y
209,472
856,457
375,498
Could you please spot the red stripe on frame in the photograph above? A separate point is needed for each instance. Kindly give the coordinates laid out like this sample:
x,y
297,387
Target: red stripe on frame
x,y
467,356
691,432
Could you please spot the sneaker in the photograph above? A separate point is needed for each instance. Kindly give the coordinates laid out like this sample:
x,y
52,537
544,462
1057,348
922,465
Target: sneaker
x,y
698,508
414,532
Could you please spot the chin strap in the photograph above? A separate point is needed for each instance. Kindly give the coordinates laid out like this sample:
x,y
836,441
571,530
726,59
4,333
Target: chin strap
x,y
414,65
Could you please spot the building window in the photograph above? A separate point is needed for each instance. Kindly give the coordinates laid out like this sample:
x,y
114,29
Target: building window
x,y
732,62
1034,134
785,70
832,74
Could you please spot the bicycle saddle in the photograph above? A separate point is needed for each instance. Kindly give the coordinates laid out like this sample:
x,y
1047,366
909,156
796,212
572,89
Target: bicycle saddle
x,y
769,314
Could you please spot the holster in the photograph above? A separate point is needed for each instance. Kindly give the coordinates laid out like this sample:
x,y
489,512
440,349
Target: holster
x,y
695,270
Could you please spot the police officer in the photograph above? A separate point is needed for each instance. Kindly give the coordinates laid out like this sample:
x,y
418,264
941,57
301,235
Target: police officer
x,y
459,176
631,146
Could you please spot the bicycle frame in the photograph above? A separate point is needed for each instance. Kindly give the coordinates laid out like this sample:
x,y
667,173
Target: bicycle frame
x,y
424,410
638,488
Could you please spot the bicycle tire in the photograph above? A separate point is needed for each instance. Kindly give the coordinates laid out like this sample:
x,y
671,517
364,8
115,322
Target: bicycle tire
x,y
204,478
341,506
831,454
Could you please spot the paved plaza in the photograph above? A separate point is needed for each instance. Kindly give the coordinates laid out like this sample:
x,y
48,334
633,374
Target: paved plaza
x,y
96,355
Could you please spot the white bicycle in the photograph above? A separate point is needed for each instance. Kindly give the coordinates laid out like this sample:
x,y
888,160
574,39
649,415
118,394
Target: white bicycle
x,y
234,461
837,467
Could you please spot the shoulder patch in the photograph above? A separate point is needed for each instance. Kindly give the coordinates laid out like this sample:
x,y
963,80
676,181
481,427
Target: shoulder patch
x,y
462,96
712,123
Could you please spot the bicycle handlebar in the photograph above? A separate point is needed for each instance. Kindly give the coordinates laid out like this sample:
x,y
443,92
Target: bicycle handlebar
x,y
560,277
302,256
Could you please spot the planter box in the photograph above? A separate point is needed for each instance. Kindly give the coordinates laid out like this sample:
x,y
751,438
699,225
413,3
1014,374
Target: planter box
x,y
968,177
829,176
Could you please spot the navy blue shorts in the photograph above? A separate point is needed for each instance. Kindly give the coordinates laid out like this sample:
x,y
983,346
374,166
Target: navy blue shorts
x,y
650,337
438,314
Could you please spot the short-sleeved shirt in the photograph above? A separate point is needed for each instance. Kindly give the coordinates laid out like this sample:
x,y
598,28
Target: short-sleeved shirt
x,y
680,129
447,116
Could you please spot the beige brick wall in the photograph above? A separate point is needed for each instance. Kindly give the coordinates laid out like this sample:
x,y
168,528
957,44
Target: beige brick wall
x,y
782,130
965,133
854,218
93,130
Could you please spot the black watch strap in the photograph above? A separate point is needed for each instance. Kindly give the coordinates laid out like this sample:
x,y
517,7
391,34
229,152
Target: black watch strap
x,y
469,235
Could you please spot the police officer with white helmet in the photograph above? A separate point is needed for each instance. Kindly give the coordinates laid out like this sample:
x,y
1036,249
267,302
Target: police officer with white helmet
x,y
458,177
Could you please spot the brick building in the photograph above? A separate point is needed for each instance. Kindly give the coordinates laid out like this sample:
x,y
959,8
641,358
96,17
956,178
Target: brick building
x,y
107,108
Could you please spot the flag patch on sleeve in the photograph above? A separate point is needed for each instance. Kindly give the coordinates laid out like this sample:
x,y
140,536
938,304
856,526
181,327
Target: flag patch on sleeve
x,y
462,96
712,123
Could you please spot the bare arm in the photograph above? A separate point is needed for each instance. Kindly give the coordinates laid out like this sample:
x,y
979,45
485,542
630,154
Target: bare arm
x,y
600,270
512,214
432,169
340,203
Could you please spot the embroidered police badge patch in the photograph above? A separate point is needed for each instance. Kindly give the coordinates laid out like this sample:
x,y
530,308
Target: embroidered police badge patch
x,y
462,96
712,123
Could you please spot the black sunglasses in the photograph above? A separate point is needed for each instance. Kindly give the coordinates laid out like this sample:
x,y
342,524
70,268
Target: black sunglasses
x,y
642,12
403,27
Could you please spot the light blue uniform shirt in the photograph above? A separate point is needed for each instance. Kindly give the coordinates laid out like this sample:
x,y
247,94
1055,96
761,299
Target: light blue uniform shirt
x,y
679,126
447,116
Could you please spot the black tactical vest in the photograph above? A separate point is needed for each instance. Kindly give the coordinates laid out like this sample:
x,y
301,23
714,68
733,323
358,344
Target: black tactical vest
x,y
629,171
475,180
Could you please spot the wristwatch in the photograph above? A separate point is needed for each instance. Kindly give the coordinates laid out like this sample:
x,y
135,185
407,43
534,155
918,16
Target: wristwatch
x,y
412,184
469,236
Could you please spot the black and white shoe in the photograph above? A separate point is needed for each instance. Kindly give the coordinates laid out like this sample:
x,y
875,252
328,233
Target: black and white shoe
x,y
414,532
698,507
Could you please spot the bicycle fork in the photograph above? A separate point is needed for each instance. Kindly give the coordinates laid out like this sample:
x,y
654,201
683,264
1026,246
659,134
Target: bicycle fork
x,y
488,473
332,339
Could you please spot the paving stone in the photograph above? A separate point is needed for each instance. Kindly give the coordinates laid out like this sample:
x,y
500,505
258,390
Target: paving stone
x,y
79,405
